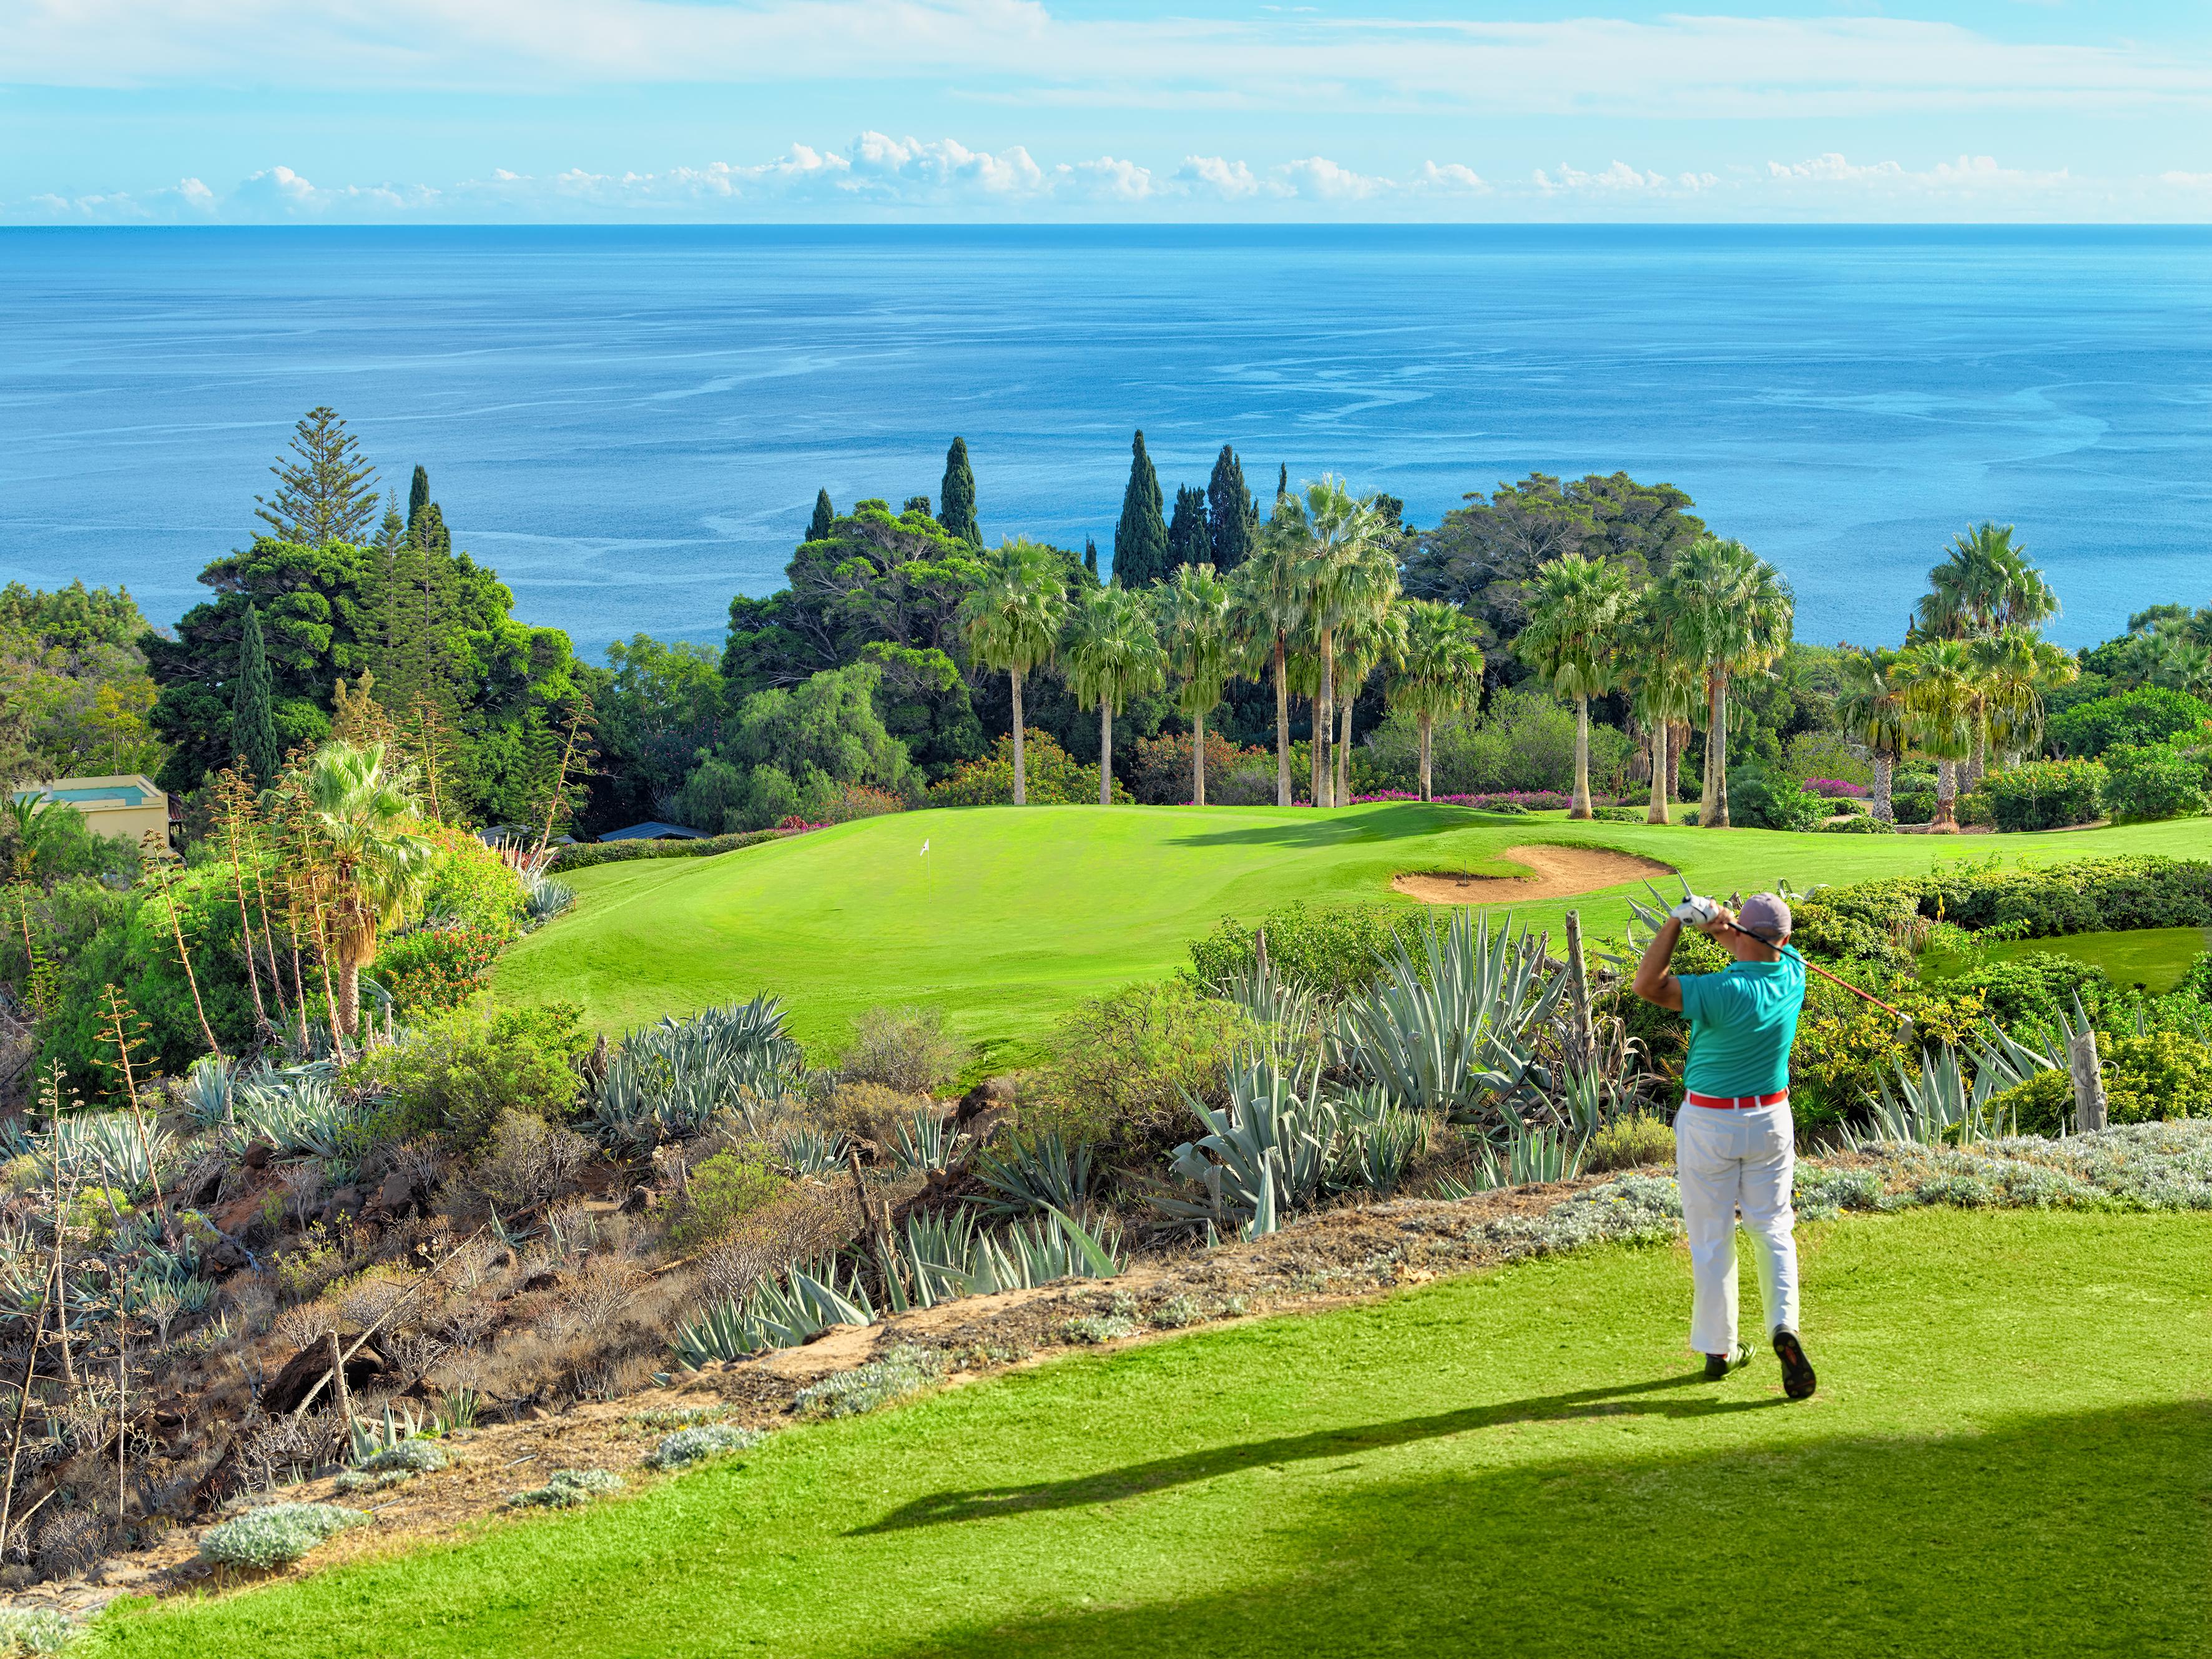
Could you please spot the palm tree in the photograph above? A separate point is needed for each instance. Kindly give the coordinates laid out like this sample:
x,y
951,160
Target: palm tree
x,y
1196,626
2015,666
368,862
1733,612
1576,609
1871,709
1111,654
1347,571
2183,664
1268,602
1441,671
1983,586
1365,640
1943,702
1667,691
1012,619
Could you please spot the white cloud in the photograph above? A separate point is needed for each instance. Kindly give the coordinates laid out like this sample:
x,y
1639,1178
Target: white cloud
x,y
2187,180
1231,180
1968,173
1620,179
1317,178
1451,179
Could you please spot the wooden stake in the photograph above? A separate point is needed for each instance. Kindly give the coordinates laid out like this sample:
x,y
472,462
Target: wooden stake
x,y
2088,1082
338,1384
1578,991
22,1410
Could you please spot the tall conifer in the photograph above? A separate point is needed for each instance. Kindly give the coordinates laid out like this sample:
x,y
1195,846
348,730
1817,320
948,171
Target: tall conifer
x,y
1189,539
1091,557
955,497
325,492
253,721
1234,521
1140,539
418,495
817,529
1283,482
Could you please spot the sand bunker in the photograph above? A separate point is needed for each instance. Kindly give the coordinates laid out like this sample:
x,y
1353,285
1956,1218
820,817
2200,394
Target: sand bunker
x,y
1561,872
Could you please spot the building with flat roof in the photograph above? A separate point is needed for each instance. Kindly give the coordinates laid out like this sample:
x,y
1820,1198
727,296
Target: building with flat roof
x,y
126,805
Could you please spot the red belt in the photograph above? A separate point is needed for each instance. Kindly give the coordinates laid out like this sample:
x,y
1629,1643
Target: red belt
x,y
1738,1102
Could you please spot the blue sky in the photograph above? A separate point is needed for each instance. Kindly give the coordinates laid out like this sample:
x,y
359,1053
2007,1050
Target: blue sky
x,y
253,111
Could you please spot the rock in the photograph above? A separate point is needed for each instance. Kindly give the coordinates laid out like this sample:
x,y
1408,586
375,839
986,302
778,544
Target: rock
x,y
310,1365
226,1253
639,1201
18,1576
992,1092
345,1201
258,1154
396,1192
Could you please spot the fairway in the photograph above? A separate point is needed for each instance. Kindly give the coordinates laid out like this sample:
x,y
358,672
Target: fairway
x,y
1015,913
2153,957
2011,1454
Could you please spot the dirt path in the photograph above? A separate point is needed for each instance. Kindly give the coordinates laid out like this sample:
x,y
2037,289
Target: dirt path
x,y
1561,872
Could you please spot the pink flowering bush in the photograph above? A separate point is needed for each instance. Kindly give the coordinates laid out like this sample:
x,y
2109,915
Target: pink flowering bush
x,y
1835,789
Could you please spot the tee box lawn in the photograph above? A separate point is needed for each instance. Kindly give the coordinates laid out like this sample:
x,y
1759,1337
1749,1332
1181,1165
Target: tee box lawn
x,y
1014,914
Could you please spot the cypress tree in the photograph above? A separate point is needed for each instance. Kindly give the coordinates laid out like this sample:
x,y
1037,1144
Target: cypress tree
x,y
1091,557
252,722
817,529
1140,539
955,497
1235,520
1283,482
1189,540
418,495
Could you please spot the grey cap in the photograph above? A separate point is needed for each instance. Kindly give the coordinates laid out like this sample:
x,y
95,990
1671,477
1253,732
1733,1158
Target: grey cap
x,y
1764,916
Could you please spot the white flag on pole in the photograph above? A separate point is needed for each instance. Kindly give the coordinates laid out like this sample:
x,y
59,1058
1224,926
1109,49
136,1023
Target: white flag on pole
x,y
924,850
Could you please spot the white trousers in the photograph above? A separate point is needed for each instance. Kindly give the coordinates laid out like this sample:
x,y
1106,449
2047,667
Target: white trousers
x,y
1727,1160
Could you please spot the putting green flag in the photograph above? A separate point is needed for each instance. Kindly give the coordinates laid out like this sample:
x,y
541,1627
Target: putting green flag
x,y
924,850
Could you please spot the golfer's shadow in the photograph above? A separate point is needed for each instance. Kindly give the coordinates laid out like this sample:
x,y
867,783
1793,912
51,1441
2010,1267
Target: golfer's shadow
x,y
1635,1399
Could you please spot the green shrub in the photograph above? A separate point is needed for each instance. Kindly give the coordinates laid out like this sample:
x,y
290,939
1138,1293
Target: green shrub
x,y
1914,806
1121,1067
2146,1079
276,1534
2045,794
1859,826
1090,1329
469,885
908,1050
1628,1142
583,855
456,1073
2153,781
1337,951
1050,777
436,968
2149,714
2196,985
718,1195
565,1488
2081,896
2033,990
1759,800
1974,810
1523,738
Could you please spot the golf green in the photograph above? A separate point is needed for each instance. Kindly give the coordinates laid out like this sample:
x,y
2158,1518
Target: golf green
x,y
1014,914
2007,1455
2153,957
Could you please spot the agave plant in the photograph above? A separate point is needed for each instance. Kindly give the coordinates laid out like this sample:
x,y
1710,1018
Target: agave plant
x,y
544,898
1377,1142
926,1141
783,1313
668,1082
1268,1151
1939,1105
1455,1030
107,1149
941,1258
805,1151
297,1113
1037,1171
206,1090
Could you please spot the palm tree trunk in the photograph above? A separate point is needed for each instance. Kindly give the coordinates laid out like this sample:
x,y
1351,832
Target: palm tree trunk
x,y
349,1009
1282,730
1712,813
1658,812
1325,719
1581,807
1021,780
1427,723
1946,795
1343,756
1884,768
1105,752
1313,746
1198,758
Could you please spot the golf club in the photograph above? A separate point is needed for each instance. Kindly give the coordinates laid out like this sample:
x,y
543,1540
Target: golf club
x,y
1904,1027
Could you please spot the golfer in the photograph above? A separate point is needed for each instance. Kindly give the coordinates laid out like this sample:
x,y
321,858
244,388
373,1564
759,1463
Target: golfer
x,y
1735,1143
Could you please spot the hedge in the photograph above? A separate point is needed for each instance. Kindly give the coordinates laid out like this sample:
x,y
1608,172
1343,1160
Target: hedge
x,y
2086,896
584,854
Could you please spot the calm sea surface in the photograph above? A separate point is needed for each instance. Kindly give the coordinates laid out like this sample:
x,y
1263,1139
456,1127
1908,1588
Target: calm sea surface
x,y
630,424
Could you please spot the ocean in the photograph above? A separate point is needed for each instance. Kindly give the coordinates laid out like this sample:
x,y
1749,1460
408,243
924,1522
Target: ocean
x,y
630,424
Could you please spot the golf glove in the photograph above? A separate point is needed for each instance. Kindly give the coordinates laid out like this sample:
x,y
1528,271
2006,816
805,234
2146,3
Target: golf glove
x,y
1695,911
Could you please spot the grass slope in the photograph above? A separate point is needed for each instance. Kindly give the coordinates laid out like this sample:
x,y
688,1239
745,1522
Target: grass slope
x,y
2153,957
1017,914
2011,1454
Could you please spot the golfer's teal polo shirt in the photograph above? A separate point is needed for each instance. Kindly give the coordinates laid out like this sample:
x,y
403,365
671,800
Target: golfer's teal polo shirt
x,y
1742,1021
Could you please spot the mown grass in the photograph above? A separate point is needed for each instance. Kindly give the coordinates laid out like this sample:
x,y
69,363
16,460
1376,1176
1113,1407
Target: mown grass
x,y
2153,957
1016,915
2011,1453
